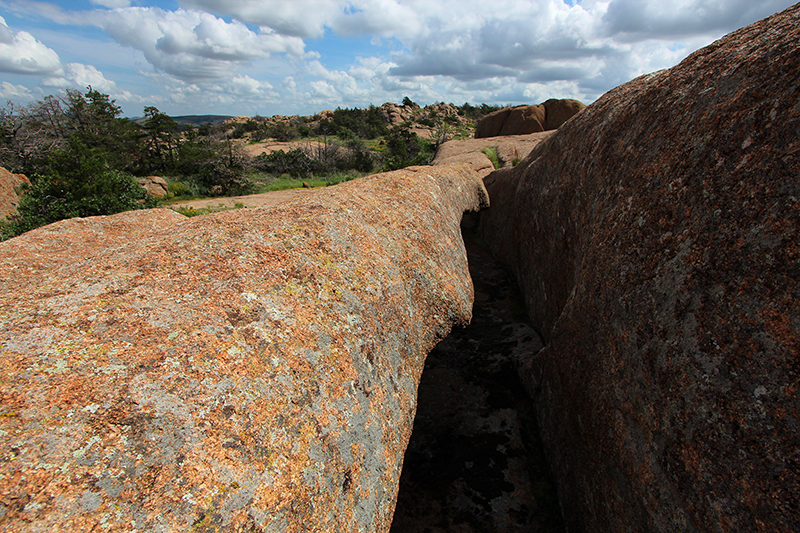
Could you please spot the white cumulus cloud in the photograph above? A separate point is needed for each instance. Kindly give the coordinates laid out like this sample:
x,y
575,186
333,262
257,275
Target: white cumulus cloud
x,y
297,18
80,76
647,19
293,55
17,93
21,53
192,45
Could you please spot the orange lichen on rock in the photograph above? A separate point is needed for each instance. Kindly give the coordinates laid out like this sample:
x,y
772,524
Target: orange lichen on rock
x,y
247,370
10,189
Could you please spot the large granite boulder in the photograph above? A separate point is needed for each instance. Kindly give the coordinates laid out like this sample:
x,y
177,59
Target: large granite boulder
x,y
10,189
491,124
524,119
156,186
251,370
656,239
558,111
396,114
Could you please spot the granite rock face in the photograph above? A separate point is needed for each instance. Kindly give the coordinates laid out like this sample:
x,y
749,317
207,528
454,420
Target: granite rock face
x,y
522,120
155,186
251,370
10,185
655,237
510,150
558,111
525,119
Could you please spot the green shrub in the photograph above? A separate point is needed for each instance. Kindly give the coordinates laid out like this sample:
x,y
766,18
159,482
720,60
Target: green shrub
x,y
179,189
296,163
52,197
404,148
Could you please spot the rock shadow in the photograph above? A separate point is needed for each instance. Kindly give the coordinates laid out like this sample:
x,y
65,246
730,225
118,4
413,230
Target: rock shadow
x,y
474,462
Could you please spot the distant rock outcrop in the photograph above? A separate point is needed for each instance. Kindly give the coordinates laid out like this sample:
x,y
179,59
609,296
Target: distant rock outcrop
x,y
10,187
155,186
510,151
655,237
395,114
526,119
251,370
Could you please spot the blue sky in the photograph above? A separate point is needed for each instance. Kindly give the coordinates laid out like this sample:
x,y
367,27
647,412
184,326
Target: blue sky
x,y
248,57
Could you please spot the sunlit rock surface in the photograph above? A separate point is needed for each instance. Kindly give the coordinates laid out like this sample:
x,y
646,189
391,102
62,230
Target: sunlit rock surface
x,y
251,370
510,150
10,188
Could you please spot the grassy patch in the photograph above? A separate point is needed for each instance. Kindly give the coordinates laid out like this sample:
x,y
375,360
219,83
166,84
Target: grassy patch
x,y
491,153
189,211
268,183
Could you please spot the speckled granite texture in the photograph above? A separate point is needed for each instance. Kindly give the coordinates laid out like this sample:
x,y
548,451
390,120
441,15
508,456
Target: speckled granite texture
x,y
655,236
10,185
251,370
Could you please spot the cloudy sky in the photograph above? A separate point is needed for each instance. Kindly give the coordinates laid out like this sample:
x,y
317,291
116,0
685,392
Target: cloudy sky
x,y
248,57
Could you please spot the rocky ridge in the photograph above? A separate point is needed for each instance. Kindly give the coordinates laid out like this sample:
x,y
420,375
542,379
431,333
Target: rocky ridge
x,y
248,370
655,238
425,121
510,149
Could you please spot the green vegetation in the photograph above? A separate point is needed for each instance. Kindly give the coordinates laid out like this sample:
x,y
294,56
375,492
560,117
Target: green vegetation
x,y
77,154
491,153
190,211
348,124
83,159
404,148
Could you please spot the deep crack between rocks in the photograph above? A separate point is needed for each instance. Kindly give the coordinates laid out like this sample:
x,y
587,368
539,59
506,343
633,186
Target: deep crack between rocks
x,y
474,462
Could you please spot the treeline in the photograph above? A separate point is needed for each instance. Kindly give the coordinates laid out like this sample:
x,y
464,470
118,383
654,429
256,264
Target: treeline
x,y
83,158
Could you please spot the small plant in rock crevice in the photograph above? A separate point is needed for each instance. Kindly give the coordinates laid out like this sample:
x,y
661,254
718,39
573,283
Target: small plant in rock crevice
x,y
491,153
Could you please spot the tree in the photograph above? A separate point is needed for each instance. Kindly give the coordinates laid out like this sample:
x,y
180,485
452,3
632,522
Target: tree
x,y
161,132
77,184
404,148
78,153
30,134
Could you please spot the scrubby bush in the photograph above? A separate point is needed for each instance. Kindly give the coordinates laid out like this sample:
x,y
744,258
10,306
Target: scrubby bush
x,y
404,148
295,163
353,123
75,188
358,157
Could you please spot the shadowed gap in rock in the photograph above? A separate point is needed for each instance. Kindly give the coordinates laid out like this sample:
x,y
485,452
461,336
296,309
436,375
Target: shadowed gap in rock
x,y
474,462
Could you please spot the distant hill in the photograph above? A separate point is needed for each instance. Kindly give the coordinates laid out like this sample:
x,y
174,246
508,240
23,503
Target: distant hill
x,y
194,120
197,120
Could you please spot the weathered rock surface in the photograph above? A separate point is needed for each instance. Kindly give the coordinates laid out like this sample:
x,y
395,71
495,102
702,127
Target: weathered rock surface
x,y
520,120
478,160
510,150
558,111
655,237
155,186
244,371
396,114
9,191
